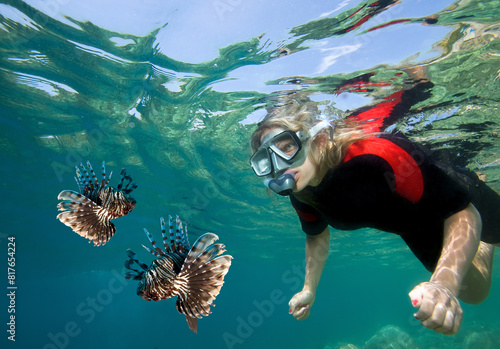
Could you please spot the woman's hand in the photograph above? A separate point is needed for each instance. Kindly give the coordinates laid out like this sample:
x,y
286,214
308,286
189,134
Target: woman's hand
x,y
300,305
439,309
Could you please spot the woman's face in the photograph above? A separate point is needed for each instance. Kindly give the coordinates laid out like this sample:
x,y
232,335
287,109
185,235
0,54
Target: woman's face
x,y
304,174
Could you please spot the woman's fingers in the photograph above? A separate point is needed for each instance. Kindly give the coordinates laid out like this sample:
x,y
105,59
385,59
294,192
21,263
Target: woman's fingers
x,y
439,309
301,312
300,305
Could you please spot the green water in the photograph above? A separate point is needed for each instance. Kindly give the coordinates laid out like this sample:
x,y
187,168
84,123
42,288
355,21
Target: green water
x,y
171,91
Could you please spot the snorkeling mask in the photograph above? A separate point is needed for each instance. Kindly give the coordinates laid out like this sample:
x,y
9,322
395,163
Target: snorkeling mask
x,y
281,150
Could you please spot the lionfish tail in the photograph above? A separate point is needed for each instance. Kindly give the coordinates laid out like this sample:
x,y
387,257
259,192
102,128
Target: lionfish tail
x,y
192,323
85,217
201,277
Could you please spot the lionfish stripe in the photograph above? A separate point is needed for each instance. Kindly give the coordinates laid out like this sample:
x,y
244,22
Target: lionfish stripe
x,y
70,195
199,246
194,306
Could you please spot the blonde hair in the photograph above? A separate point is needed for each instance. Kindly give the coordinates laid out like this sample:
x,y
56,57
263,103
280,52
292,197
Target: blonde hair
x,y
297,112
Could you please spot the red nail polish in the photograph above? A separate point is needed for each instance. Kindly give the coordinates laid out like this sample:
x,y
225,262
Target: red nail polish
x,y
290,311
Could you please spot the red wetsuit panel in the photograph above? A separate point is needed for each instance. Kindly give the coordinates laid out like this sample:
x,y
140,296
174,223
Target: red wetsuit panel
x,y
408,178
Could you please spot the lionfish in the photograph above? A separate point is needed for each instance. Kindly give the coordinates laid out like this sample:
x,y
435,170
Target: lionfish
x,y
89,212
194,274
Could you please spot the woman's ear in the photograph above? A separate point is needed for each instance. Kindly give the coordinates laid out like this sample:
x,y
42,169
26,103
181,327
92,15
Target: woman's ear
x,y
320,141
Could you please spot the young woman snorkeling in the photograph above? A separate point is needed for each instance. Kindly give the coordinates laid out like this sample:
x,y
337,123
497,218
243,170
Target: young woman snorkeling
x,y
349,175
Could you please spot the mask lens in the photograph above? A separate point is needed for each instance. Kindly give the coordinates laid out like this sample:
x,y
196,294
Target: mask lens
x,y
261,163
285,145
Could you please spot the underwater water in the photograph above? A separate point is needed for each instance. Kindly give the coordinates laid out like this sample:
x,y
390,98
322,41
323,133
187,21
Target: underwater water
x,y
171,91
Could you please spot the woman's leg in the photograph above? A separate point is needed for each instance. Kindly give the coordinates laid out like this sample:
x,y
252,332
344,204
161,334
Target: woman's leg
x,y
477,282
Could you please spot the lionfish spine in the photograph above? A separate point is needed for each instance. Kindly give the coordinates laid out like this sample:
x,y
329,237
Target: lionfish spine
x,y
134,274
86,176
123,175
95,183
129,186
164,235
185,239
104,181
78,180
178,223
171,231
157,251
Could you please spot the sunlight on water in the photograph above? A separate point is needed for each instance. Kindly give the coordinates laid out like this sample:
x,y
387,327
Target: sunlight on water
x,y
172,92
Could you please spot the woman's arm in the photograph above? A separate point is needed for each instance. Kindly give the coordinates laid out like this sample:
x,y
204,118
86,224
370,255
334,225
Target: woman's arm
x,y
316,254
437,299
462,234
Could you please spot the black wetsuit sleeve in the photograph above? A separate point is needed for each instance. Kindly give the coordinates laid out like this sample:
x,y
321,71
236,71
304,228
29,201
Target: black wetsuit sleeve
x,y
312,222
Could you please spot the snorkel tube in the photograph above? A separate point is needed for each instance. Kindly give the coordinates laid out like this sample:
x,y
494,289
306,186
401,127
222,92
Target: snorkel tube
x,y
283,185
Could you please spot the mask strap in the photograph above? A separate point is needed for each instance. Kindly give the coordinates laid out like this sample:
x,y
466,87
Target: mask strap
x,y
318,127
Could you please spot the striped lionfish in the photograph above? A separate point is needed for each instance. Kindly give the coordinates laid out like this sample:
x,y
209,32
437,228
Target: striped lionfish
x,y
194,274
89,212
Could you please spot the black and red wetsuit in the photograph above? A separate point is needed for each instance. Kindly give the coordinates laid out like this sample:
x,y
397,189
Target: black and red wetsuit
x,y
389,183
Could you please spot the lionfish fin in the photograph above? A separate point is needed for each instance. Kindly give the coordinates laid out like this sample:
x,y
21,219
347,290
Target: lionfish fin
x,y
185,239
200,246
94,178
79,181
164,235
129,187
104,181
171,232
201,277
86,180
86,218
181,236
157,251
134,274
192,323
